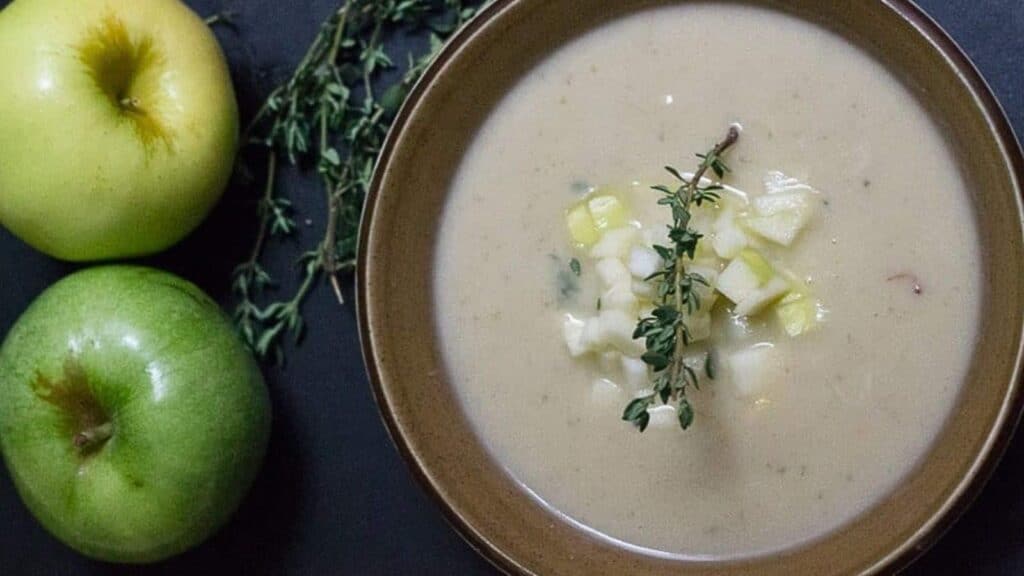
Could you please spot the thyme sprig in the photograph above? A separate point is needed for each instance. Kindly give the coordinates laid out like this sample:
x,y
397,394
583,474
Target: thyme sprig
x,y
329,116
665,332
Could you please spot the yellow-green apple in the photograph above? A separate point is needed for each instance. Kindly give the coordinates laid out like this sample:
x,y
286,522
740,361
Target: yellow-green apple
x,y
132,418
118,125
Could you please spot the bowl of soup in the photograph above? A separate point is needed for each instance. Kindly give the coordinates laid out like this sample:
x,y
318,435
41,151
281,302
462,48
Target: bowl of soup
x,y
798,351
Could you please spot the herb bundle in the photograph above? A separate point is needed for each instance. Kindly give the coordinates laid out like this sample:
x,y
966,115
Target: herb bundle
x,y
665,332
332,116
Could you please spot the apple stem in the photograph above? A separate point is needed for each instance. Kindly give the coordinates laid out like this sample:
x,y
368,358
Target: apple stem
x,y
93,437
130,103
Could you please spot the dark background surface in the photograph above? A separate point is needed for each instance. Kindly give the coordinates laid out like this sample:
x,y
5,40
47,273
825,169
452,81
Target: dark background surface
x,y
334,497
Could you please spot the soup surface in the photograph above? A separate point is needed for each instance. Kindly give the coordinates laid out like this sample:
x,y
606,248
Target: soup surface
x,y
859,400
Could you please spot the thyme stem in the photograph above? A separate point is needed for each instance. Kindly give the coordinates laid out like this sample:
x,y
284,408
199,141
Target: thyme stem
x,y
332,114
665,331
266,207
686,195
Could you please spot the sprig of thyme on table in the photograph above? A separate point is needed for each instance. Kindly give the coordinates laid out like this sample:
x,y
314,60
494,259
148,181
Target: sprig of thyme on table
x,y
665,332
331,115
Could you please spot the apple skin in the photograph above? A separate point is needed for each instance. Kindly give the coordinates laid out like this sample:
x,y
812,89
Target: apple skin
x,y
186,408
118,125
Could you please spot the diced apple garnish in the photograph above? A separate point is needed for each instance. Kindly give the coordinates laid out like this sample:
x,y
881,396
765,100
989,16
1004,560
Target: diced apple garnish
x,y
797,314
743,276
615,244
775,182
593,338
616,331
643,262
572,331
613,272
782,203
780,215
758,265
753,370
751,283
608,212
606,394
762,298
738,281
663,418
644,290
620,297
582,226
729,241
781,229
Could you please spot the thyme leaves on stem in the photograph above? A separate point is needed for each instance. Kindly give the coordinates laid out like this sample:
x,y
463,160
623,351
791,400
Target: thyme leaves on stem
x,y
328,116
665,332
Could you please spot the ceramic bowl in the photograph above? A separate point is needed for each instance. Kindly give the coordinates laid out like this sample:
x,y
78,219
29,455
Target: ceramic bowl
x,y
403,351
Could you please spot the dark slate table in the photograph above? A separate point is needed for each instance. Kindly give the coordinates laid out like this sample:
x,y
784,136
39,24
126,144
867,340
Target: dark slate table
x,y
334,497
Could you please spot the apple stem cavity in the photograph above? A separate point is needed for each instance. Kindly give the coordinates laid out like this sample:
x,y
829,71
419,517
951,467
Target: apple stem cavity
x,y
92,439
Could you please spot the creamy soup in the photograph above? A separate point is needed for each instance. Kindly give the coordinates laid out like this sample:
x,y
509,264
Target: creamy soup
x,y
891,254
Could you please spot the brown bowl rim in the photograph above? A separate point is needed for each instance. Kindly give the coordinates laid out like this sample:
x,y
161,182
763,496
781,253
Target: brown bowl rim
x,y
984,463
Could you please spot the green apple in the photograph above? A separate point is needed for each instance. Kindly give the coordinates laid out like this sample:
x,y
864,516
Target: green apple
x,y
132,418
118,125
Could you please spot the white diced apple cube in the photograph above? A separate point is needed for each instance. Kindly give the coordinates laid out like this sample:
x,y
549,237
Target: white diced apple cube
x,y
783,203
738,281
732,202
644,290
776,182
613,272
615,244
726,219
606,394
751,283
729,241
635,372
781,228
572,331
758,264
763,297
754,370
643,262
593,337
617,329
780,217
657,235
663,418
620,297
